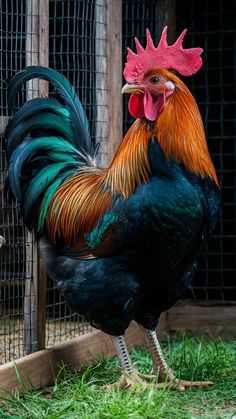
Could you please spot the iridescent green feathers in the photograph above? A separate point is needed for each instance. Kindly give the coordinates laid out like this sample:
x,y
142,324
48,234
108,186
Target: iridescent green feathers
x,y
48,141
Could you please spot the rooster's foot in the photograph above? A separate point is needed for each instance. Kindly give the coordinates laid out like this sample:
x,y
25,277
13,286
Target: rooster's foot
x,y
175,383
129,381
132,380
181,385
165,375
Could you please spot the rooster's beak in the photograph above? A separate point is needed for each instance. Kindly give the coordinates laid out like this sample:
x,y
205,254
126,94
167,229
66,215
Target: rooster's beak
x,y
130,88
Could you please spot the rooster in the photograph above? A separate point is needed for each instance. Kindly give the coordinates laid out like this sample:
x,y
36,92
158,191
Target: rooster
x,y
121,243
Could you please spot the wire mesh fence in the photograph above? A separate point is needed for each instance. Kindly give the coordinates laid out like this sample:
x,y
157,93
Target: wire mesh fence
x,y
211,26
75,30
77,47
13,252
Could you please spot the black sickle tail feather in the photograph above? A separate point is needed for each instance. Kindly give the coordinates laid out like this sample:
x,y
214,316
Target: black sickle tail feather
x,y
65,93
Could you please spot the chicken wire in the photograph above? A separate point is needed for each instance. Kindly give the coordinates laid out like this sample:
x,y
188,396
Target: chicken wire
x,y
77,48
17,259
211,25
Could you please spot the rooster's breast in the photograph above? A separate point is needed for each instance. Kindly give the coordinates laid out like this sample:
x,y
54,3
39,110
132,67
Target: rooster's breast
x,y
166,222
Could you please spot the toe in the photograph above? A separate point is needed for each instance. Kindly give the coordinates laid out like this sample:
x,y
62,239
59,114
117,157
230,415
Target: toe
x,y
196,384
128,382
147,377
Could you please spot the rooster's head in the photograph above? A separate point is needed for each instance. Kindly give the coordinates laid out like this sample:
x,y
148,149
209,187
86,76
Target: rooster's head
x,y
147,75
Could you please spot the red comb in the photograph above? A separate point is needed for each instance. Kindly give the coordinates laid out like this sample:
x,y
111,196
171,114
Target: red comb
x,y
175,57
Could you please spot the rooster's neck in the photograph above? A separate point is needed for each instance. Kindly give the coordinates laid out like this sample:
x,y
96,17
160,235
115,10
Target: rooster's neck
x,y
130,166
181,135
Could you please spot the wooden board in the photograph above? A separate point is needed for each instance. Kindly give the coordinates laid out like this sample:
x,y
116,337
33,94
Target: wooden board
x,y
217,318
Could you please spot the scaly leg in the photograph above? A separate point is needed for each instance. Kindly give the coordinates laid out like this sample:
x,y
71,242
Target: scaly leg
x,y
166,374
159,365
129,378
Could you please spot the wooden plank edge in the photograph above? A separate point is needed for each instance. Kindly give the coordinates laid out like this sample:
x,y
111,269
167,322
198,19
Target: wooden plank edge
x,y
40,368
212,321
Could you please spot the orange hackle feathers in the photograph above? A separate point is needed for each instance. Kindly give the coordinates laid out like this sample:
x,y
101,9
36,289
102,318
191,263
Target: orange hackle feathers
x,y
76,207
79,202
130,166
180,132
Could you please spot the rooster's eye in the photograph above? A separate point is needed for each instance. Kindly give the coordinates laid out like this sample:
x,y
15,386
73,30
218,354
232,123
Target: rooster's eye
x,y
155,80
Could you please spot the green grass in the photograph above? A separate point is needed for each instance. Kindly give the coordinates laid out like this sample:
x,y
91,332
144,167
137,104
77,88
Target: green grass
x,y
80,394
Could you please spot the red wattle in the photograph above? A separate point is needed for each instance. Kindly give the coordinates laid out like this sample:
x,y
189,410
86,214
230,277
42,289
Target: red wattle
x,y
136,105
152,107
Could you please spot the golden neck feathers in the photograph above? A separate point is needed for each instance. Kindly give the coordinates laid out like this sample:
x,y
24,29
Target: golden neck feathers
x,y
180,132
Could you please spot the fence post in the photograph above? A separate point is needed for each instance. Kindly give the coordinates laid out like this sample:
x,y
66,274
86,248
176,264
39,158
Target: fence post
x,y
37,39
43,91
167,10
114,78
101,80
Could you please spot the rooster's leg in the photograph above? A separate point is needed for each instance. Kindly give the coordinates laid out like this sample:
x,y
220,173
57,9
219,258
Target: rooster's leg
x,y
129,378
160,367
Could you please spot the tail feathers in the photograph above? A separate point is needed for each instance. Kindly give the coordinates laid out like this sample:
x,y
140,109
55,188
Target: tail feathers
x,y
38,117
48,142
36,169
22,160
67,96
40,190
32,107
